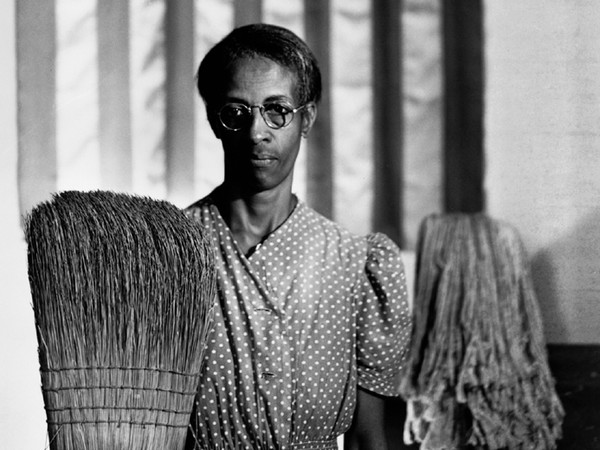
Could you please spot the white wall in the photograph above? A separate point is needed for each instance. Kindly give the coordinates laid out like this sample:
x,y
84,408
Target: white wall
x,y
22,418
543,150
543,175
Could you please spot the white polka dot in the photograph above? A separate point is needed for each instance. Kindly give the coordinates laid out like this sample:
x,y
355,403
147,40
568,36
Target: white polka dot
x,y
299,322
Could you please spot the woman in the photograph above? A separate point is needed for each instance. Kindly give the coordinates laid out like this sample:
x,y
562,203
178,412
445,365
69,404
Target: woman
x,y
312,322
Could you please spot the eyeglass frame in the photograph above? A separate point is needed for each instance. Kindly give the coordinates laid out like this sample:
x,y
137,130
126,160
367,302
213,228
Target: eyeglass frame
x,y
261,108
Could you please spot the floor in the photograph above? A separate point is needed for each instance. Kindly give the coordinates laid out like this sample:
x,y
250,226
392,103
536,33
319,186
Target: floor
x,y
576,369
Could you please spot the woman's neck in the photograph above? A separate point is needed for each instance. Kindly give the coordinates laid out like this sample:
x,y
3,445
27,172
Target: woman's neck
x,y
252,218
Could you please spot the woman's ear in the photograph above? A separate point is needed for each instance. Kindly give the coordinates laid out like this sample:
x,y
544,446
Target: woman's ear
x,y
309,115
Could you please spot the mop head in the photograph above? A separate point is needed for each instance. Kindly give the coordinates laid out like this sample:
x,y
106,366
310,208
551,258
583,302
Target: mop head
x,y
122,289
479,373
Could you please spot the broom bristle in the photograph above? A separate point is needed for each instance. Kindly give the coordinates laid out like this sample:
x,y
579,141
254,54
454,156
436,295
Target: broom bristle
x,y
479,374
122,289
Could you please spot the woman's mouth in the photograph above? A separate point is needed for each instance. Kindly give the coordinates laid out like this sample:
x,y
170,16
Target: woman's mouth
x,y
262,162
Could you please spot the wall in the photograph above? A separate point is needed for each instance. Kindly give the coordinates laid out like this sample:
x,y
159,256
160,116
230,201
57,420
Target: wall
x,y
21,418
543,168
543,150
78,148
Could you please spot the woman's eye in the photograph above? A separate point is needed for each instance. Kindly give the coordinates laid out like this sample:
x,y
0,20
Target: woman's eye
x,y
277,108
237,112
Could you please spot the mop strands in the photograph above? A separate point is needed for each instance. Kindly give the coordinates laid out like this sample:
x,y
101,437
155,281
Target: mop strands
x,y
122,291
479,373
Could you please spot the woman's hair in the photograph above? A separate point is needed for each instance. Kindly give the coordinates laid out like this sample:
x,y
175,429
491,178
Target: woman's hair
x,y
269,41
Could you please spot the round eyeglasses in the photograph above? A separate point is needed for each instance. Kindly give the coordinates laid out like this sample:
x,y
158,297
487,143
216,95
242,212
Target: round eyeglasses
x,y
235,116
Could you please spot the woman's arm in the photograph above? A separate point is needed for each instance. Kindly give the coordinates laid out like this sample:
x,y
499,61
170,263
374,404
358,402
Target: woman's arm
x,y
368,428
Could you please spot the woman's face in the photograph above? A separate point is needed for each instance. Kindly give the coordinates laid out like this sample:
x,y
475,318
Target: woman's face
x,y
257,157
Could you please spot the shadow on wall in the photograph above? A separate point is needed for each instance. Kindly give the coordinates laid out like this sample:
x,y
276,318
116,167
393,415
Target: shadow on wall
x,y
566,275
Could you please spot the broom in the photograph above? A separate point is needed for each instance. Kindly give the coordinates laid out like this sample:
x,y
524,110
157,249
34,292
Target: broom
x,y
122,288
478,374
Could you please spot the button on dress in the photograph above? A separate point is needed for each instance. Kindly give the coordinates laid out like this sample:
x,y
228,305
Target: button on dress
x,y
313,312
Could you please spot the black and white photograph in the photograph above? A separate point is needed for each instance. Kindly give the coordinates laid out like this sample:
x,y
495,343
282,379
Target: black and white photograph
x,y
300,225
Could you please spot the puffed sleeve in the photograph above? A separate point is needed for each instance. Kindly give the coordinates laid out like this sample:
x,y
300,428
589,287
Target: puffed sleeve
x,y
383,318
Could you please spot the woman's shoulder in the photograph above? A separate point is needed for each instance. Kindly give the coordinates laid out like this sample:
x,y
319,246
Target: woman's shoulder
x,y
380,244
373,247
334,231
200,210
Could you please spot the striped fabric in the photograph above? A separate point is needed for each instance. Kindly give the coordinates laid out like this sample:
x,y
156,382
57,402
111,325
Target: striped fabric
x,y
107,101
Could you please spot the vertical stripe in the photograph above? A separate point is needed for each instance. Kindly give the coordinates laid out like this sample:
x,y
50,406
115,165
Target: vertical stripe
x,y
213,20
352,114
78,150
422,84
148,97
319,160
19,343
36,82
290,14
180,102
113,95
387,118
247,11
463,140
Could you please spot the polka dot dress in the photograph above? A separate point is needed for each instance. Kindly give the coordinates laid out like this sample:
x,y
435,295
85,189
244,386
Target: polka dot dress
x,y
310,314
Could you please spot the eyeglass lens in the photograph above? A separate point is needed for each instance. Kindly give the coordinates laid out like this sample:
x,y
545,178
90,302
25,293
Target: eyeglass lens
x,y
236,116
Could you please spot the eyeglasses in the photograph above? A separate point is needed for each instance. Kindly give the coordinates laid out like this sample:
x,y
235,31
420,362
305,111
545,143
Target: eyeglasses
x,y
235,116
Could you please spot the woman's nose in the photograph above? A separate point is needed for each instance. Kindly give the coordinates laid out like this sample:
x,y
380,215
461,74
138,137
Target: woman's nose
x,y
258,127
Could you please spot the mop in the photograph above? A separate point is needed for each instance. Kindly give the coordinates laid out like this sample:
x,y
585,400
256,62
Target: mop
x,y
479,375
